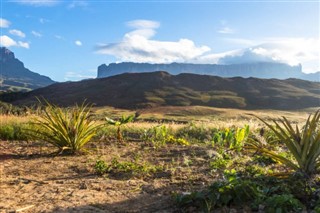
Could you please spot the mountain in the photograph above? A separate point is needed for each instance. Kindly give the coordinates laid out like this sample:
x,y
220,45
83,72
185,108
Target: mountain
x,y
257,70
14,76
142,90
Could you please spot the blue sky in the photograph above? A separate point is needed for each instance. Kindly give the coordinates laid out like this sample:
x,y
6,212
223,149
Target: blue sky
x,y
68,40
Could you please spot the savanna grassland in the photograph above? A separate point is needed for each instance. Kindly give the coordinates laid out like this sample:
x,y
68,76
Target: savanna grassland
x,y
164,159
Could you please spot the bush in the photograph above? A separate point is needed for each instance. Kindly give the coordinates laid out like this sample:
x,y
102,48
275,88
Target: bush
x,y
13,131
67,129
283,203
303,144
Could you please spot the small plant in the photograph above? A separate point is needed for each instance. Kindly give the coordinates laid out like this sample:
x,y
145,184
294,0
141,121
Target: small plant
x,y
232,138
118,123
303,144
156,135
14,131
129,167
195,133
101,167
283,203
67,129
159,136
220,194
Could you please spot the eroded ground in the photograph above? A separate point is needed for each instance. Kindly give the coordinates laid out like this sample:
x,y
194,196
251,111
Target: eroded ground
x,y
33,179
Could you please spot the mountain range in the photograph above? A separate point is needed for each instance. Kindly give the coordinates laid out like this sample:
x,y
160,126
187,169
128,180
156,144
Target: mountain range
x,y
257,70
15,77
143,90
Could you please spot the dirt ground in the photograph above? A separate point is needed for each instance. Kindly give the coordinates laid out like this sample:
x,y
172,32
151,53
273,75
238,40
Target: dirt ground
x,y
33,180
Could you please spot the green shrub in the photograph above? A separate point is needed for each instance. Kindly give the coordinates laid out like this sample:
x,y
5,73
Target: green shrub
x,y
160,135
282,204
134,168
196,133
120,122
101,167
303,144
232,138
14,131
67,129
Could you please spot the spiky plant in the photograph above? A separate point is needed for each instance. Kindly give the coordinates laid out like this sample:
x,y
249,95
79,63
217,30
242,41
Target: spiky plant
x,y
118,123
303,144
67,129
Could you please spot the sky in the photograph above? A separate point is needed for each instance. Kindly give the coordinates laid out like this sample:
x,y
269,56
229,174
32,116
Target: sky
x,y
68,40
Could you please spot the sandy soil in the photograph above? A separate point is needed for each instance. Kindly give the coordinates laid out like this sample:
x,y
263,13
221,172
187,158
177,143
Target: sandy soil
x,y
32,180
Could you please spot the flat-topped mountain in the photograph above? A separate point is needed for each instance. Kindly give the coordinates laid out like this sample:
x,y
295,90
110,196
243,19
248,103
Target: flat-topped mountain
x,y
14,76
257,70
141,90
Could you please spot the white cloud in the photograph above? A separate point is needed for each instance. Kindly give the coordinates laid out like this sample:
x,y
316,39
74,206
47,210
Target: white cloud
x,y
43,20
59,37
37,3
144,24
242,41
6,41
17,33
23,44
284,50
36,34
78,3
138,46
4,23
226,30
78,43
76,76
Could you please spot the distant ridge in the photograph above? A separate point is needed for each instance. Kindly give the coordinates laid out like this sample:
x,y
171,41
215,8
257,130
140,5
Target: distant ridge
x,y
257,70
144,90
15,77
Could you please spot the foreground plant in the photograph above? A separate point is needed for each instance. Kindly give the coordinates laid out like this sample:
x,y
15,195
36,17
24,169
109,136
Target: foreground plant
x,y
118,123
303,144
67,129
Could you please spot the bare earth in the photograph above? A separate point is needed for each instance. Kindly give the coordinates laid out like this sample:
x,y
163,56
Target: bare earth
x,y
32,180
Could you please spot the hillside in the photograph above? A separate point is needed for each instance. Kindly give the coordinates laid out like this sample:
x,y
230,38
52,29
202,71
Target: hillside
x,y
143,90
15,77
257,70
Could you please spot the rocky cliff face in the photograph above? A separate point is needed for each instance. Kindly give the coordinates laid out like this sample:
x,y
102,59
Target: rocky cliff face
x,y
258,70
14,76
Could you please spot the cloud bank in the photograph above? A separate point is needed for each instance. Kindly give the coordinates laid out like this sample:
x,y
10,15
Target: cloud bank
x,y
6,41
138,46
37,3
17,33
291,51
4,23
78,43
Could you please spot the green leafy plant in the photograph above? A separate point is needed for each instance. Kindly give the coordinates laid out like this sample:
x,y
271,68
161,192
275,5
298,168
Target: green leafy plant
x,y
303,144
233,138
14,131
160,135
283,203
101,167
120,122
67,129
134,168
220,194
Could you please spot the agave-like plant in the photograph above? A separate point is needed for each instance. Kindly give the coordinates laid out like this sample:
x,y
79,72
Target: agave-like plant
x,y
303,144
118,123
67,129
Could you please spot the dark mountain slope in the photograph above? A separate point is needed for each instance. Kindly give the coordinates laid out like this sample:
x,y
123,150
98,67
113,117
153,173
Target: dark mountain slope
x,y
14,76
139,90
257,70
